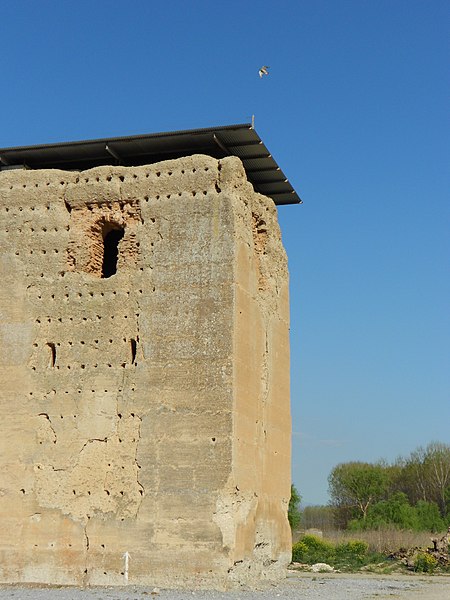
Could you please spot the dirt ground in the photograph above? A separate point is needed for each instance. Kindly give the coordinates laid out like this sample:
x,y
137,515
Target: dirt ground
x,y
297,586
398,587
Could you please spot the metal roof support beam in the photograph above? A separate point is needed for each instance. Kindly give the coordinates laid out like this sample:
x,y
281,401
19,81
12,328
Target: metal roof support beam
x,y
249,143
253,156
221,146
268,181
113,153
262,170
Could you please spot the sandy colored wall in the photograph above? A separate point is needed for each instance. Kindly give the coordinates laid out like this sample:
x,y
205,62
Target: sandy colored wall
x,y
147,412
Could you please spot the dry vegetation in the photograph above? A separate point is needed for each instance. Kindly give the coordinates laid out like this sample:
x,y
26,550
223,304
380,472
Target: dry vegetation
x,y
383,541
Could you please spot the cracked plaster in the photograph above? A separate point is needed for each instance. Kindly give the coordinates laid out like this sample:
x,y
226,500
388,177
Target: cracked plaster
x,y
151,408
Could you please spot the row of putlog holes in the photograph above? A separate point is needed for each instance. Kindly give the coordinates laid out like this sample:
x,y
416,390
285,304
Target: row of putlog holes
x,y
53,354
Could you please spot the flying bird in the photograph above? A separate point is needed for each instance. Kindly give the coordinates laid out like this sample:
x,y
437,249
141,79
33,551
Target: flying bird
x,y
264,70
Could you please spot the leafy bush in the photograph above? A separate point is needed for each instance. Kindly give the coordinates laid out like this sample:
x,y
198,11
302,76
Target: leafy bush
x,y
311,549
299,551
353,548
425,563
346,556
351,554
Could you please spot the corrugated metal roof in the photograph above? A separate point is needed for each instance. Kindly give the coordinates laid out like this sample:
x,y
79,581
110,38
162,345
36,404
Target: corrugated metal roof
x,y
230,140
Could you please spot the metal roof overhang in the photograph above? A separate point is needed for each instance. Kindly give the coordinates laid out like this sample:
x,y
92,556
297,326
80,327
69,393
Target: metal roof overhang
x,y
231,140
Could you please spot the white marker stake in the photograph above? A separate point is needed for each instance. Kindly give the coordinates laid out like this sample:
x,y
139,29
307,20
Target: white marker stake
x,y
126,556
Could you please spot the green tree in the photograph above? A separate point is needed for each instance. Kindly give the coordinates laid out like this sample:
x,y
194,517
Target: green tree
x,y
396,511
437,466
294,515
429,517
425,475
358,485
447,503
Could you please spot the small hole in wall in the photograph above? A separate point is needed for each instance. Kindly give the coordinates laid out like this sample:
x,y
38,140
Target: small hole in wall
x,y
133,351
52,358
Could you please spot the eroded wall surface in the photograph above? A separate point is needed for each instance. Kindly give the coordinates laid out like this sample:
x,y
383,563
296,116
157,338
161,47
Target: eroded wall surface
x,y
144,415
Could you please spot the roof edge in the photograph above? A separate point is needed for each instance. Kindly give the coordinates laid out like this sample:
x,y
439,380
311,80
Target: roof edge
x,y
239,140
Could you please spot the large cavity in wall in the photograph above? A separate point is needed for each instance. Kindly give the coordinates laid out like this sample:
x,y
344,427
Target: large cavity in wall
x,y
144,392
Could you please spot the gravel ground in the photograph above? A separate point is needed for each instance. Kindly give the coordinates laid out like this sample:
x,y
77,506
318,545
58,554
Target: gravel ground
x,y
302,586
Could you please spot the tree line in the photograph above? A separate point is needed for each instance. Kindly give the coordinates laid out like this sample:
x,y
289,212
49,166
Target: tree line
x,y
410,493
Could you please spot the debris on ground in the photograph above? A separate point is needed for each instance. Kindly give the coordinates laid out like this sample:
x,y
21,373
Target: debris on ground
x,y
440,551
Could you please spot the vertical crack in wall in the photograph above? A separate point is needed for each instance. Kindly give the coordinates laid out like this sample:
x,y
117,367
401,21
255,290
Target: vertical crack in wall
x,y
265,385
260,236
138,332
141,487
86,546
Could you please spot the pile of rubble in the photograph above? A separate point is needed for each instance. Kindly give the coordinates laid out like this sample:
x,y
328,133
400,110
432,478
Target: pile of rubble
x,y
440,551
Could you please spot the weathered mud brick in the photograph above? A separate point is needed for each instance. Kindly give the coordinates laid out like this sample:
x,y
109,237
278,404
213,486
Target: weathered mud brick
x,y
144,377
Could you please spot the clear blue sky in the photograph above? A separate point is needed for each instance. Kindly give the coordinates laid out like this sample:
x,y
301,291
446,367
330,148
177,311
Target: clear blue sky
x,y
355,111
